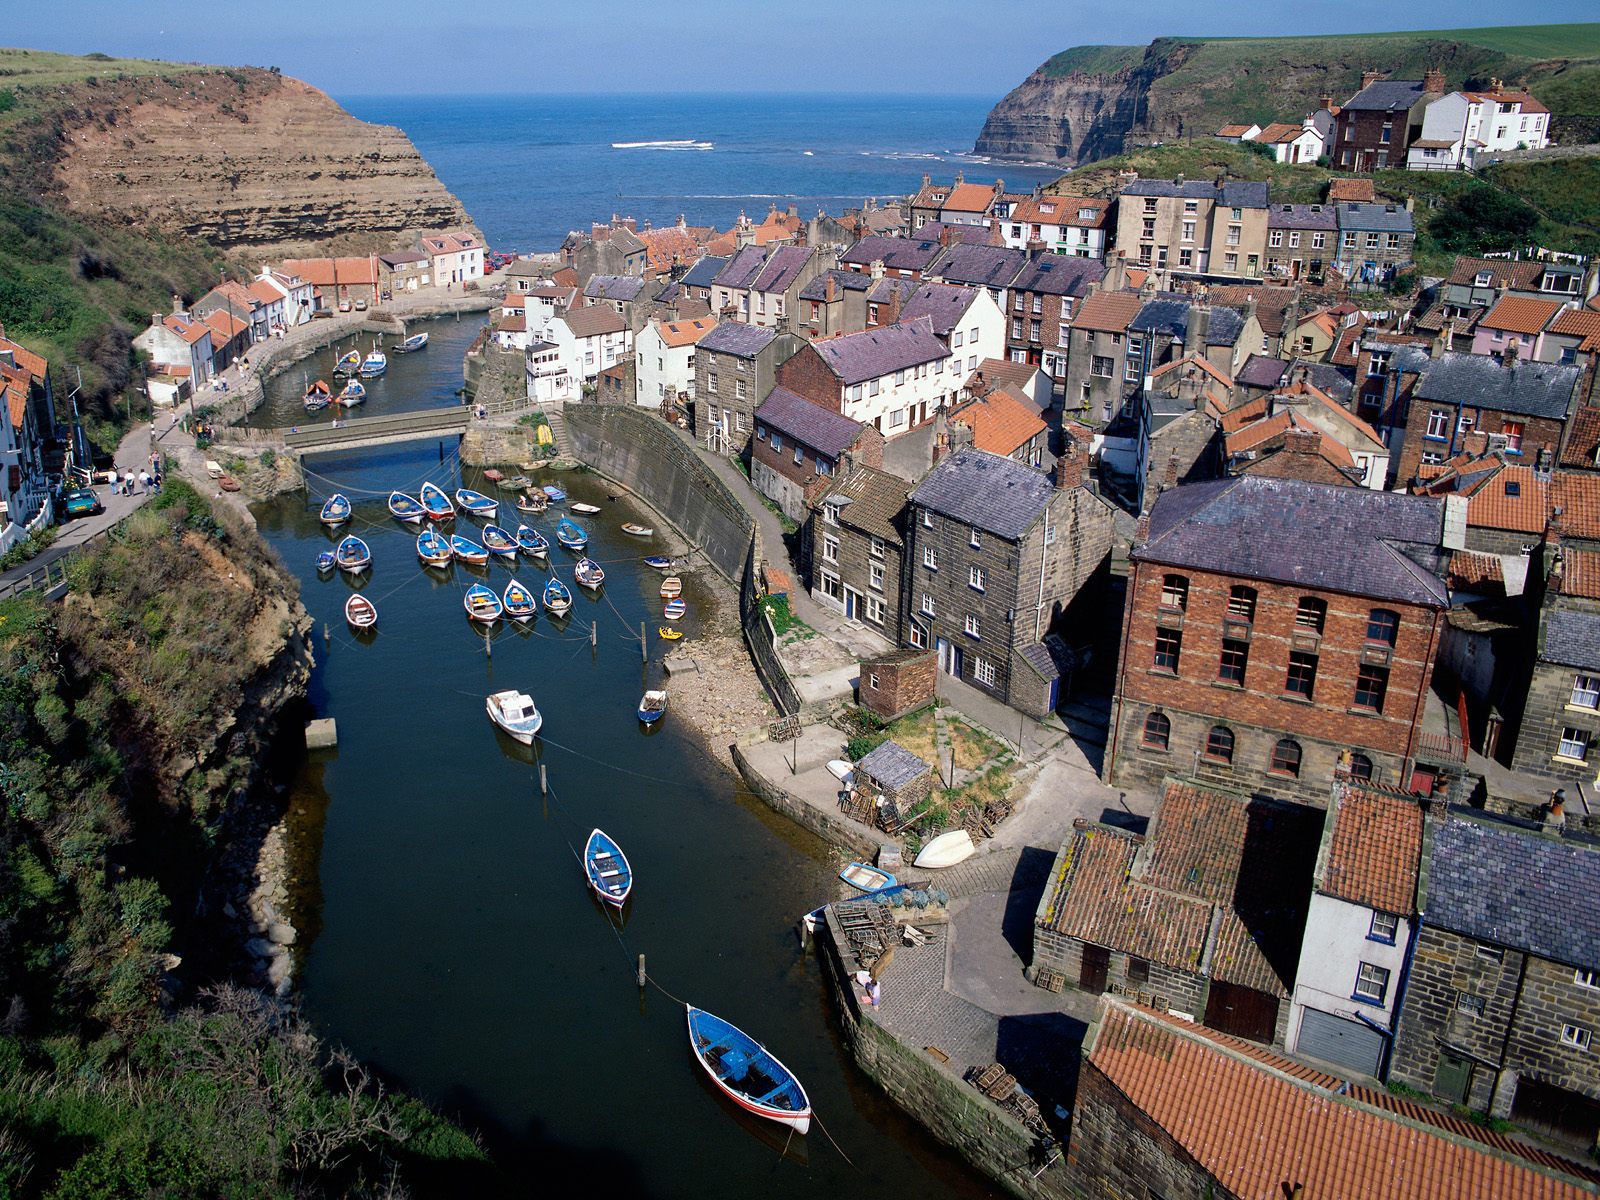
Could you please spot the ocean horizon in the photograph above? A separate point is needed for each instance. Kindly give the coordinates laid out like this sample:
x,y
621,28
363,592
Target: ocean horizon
x,y
531,168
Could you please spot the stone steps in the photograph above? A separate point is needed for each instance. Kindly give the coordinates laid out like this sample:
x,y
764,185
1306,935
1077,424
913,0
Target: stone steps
x,y
558,430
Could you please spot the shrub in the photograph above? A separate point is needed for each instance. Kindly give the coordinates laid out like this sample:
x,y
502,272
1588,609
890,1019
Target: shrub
x,y
269,458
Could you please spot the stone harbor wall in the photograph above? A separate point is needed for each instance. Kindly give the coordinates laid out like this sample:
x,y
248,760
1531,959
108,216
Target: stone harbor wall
x,y
846,835
759,635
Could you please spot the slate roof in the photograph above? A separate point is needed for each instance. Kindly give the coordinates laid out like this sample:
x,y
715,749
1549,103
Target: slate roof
x,y
844,281
1059,275
980,266
738,339
1259,371
986,491
945,304
1571,638
877,503
399,258
872,353
593,320
1383,545
743,268
1373,851
1387,94
614,287
1512,887
898,254
892,766
1526,388
1301,216
1379,218
782,268
808,423
1170,314
703,272
1242,193
1188,189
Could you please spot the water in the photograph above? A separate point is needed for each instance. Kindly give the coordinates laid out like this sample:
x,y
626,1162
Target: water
x,y
450,937
531,168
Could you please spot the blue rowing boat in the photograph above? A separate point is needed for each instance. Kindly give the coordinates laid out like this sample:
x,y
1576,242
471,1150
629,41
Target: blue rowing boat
x,y
406,508
477,504
325,562
554,492
659,561
532,543
482,604
570,534
557,599
747,1072
352,555
336,510
433,549
468,551
498,541
608,870
519,602
653,706
437,503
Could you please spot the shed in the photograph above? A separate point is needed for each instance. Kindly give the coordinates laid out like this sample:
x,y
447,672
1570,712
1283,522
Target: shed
x,y
902,779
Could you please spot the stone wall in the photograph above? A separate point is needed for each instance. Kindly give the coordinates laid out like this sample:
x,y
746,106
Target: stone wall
x,y
1118,1151
485,445
759,635
1549,710
1164,988
849,836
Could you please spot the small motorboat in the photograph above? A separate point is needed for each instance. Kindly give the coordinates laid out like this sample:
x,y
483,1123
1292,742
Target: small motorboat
x,y
415,342
433,549
494,475
228,483
947,850
360,612
671,587
675,610
466,550
498,541
607,868
348,363
406,508
354,393
557,598
353,555
519,602
532,543
747,1072
477,504
867,879
552,492
533,502
668,634
659,561
571,535
318,396
375,363
336,510
325,562
517,483
589,574
482,604
437,503
653,706
515,712
587,510
637,530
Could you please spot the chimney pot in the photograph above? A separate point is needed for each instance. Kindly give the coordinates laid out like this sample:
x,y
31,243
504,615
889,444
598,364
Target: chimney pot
x,y
1370,77
1069,468
1433,82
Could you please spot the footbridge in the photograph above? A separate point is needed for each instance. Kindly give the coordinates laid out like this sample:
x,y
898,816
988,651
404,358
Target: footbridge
x,y
379,431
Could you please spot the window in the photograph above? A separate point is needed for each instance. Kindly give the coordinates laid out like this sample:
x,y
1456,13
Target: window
x,y
972,625
777,440
899,378
955,339
830,585
738,389
1438,423
1190,206
1230,261
1188,231
1242,603
1371,683
1574,744
983,671
1469,1004
1319,241
799,454
1361,767
1236,214
1586,691
830,513
1169,644
1392,241
1138,970
975,578
1185,257
1016,328
1372,983
1275,238
927,519
824,467
1174,592
1309,614
974,538
875,610
761,432
1286,758
1157,731
916,636
1302,677
872,314
1586,979
1576,1036
1100,366
1382,623
1219,744
873,387
875,547
1231,663
1384,928
830,548
1491,953
875,575
927,604
930,558
1232,238
1294,239
1513,432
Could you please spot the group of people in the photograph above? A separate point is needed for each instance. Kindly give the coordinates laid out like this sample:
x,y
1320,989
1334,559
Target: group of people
x,y
147,479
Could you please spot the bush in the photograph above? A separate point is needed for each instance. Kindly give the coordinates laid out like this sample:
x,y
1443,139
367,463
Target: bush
x,y
269,458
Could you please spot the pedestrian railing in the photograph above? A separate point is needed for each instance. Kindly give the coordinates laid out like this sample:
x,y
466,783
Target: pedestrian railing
x,y
50,575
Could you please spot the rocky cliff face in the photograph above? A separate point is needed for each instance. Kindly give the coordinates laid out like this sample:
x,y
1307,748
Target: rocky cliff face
x,y
245,159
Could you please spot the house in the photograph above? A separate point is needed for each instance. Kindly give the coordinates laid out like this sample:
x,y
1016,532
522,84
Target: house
x,y
41,395
237,300
297,293
1160,1104
1375,242
339,281
1298,431
23,491
926,205
1459,127
1376,126
1005,422
1099,375
1347,189
735,367
672,249
665,355
856,535
1291,144
407,270
523,275
613,248
1359,926
550,374
893,378
797,449
179,343
511,332
999,556
626,295
1020,378
965,319
906,257
696,281
1194,227
1559,734
590,340
230,337
1236,133
1255,659
1042,298
1072,225
1503,999
1201,917
542,305
457,257
1515,325
990,267
834,302
1300,241
762,286
971,203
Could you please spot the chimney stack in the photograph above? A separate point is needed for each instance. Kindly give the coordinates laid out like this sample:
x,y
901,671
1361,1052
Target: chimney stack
x,y
177,304
1302,441
1141,531
1327,103
876,268
1476,443
1069,468
1370,77
1433,82
1508,356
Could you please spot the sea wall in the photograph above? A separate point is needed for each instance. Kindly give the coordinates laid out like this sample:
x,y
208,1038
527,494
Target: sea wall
x,y
836,832
759,634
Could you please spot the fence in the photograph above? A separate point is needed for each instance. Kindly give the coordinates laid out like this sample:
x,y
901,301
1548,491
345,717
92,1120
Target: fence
x,y
50,573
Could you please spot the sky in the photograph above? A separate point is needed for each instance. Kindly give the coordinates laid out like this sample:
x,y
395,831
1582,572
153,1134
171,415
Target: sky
x,y
979,47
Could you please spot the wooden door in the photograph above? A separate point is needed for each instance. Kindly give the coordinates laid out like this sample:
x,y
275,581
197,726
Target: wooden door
x,y
1092,973
1241,1011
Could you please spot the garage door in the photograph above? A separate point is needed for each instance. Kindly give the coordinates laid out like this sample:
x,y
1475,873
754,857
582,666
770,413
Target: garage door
x,y
1345,1043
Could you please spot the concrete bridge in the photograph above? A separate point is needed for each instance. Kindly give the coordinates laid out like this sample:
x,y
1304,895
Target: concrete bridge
x,y
379,431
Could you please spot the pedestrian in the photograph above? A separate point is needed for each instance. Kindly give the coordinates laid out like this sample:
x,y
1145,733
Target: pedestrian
x,y
874,993
144,480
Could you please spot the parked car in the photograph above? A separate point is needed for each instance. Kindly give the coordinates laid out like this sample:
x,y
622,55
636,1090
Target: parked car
x,y
82,502
344,306
361,305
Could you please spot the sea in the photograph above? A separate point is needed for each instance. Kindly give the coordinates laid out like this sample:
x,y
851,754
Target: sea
x,y
529,169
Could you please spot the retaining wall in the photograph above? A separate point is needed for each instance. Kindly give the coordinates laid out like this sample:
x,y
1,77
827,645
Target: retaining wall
x,y
834,831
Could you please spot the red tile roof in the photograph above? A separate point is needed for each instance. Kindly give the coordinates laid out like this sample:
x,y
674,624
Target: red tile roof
x,y
1471,569
1581,323
1236,419
969,197
330,272
1580,573
225,323
189,331
1107,312
30,362
1351,189
1583,437
998,372
1001,422
1578,497
263,291
1373,855
1520,314
17,402
1279,132
685,333
1234,130
1062,210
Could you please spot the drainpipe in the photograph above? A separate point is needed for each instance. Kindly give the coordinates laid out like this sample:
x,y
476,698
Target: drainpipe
x,y
1393,1034
1511,1021
1122,667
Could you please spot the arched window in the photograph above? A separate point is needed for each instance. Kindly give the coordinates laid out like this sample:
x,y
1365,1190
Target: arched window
x,y
1157,731
1286,757
1174,592
1310,614
1361,768
1219,744
1382,623
1242,603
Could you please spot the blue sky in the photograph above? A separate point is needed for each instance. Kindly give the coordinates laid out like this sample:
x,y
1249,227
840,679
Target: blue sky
x,y
354,47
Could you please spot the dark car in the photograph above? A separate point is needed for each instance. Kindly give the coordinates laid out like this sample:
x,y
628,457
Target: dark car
x,y
81,502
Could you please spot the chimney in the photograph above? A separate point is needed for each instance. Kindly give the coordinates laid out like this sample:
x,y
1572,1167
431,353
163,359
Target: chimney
x,y
876,268
1370,77
1169,479
1476,443
682,224
1199,324
155,320
1495,85
1069,468
999,187
961,178
1508,356
1116,276
830,288
941,436
926,179
1141,531
177,304
1302,441
1326,102
1433,82
1555,819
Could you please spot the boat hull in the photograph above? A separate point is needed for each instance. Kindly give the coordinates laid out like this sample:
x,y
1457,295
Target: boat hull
x,y
797,1119
946,850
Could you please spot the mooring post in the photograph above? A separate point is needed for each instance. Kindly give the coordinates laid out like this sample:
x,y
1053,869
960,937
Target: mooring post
x,y
544,784
641,972
594,634
644,646
488,646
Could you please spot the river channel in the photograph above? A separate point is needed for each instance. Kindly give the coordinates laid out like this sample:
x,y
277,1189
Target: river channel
x,y
448,934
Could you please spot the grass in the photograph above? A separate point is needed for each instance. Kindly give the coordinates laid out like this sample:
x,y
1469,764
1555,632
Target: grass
x,y
33,544
946,807
45,68
783,619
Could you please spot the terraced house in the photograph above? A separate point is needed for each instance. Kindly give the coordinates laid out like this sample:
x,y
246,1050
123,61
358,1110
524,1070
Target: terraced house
x,y
1194,227
856,538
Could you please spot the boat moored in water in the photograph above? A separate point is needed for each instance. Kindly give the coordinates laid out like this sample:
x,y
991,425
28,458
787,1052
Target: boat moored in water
x,y
589,574
349,363
532,543
415,342
533,502
406,508
659,561
747,1072
468,551
675,610
517,483
671,587
498,541
335,510
554,493
607,868
653,706
353,555
433,549
477,504
375,363
437,503
318,396
637,530
587,510
325,562
482,604
354,393
571,535
519,602
557,598
515,712
360,612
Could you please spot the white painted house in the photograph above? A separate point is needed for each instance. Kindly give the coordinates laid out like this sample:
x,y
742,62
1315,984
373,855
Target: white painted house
x,y
1358,932
590,340
1302,143
179,345
457,257
299,295
549,379
965,319
1457,128
664,359
894,377
1074,225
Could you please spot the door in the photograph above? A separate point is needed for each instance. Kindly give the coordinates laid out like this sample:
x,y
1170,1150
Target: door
x,y
852,604
949,657
1092,974
1241,1011
1451,1078
1556,1110
1345,1043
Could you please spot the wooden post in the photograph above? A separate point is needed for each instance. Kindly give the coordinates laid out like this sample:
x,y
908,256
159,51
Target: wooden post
x,y
488,646
644,645
544,784
327,634
641,973
594,634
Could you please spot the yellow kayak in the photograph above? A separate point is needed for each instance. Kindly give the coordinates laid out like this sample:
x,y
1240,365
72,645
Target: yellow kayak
x,y
670,634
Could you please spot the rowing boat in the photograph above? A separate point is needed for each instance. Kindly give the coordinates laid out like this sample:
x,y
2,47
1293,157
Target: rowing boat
x,y
437,503
482,604
406,508
747,1072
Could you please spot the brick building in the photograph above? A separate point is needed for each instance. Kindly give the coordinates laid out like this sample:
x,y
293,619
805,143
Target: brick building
x,y
895,684
1275,630
1503,998
735,366
1040,318
856,538
894,378
797,448
1374,128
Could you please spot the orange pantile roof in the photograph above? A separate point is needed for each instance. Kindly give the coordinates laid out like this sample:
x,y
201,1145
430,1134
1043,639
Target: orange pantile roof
x,y
329,272
512,323
17,402
1233,130
1520,314
685,333
225,323
1375,850
1513,498
1351,189
189,331
1528,103
1137,277
1263,1126
1580,573
1061,210
1248,437
970,197
1107,312
1469,569
30,362
1001,422
1195,361
1578,498
1581,323
672,244
263,291
1237,418
997,372
1279,132
1583,437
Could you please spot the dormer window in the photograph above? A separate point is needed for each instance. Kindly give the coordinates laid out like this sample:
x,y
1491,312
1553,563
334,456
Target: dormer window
x,y
1483,279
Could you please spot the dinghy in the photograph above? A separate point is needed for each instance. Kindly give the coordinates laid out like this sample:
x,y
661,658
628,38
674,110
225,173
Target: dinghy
x,y
571,535
841,770
867,879
348,363
636,529
589,574
477,504
415,342
653,706
608,870
318,396
532,543
552,492
375,363
517,483
354,393
494,475
747,1072
557,599
671,587
947,850
587,510
533,502
659,561
468,551
406,508
814,919
482,605
437,503
353,555
336,510
675,610
515,712
668,634
360,612
519,602
324,562
433,549
498,541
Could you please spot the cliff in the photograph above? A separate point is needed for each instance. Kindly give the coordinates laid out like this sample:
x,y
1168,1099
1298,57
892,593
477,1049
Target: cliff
x,y
1094,101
